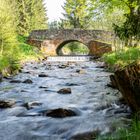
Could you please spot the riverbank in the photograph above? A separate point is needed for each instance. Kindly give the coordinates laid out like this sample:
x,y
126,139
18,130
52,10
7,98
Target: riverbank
x,y
126,68
122,58
11,62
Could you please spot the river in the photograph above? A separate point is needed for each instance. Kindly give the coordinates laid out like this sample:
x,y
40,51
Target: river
x,y
97,107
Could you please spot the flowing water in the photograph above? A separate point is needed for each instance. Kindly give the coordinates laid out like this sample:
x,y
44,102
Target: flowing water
x,y
97,106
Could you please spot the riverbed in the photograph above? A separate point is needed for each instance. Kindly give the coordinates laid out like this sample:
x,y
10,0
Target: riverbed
x,y
98,108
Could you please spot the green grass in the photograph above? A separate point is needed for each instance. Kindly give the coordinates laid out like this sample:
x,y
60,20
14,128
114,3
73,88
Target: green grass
x,y
131,133
26,51
122,58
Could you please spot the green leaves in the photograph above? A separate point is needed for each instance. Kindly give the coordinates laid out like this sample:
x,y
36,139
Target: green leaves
x,y
77,13
7,26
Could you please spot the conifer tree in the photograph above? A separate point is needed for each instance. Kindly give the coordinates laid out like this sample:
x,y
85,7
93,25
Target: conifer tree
x,y
31,15
38,15
77,12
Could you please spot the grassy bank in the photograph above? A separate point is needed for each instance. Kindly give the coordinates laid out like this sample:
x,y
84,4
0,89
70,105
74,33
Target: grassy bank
x,y
122,58
10,61
27,52
131,133
114,61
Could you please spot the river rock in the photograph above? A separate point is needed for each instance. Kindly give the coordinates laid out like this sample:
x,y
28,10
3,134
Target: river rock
x,y
42,75
28,81
127,80
32,105
15,81
7,103
64,91
81,71
71,84
101,65
43,87
59,113
8,77
62,66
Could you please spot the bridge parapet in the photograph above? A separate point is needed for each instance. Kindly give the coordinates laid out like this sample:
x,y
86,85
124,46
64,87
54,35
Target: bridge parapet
x,y
71,34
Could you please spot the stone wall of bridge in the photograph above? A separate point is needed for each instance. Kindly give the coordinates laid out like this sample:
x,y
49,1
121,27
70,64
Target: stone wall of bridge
x,y
49,41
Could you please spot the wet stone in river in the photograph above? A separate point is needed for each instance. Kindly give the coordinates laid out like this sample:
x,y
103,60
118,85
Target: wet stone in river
x,y
28,81
43,87
59,113
64,91
81,71
15,81
32,105
42,75
7,103
62,66
71,84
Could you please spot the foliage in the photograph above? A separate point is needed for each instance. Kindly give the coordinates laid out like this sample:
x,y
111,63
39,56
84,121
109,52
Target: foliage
x,y
27,52
7,27
53,25
75,48
106,13
129,31
77,13
7,36
107,19
31,15
16,15
123,57
38,15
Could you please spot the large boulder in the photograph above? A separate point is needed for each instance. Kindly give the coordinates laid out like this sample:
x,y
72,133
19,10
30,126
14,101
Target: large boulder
x,y
127,81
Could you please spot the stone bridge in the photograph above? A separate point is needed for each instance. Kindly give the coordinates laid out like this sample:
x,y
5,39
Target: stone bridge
x,y
51,41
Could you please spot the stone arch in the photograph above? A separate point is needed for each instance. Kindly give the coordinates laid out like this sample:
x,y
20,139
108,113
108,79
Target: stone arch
x,y
63,43
49,41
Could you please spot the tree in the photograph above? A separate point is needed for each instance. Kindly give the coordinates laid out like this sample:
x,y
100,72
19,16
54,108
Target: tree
x,y
129,31
53,25
7,27
77,13
24,8
38,15
31,15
